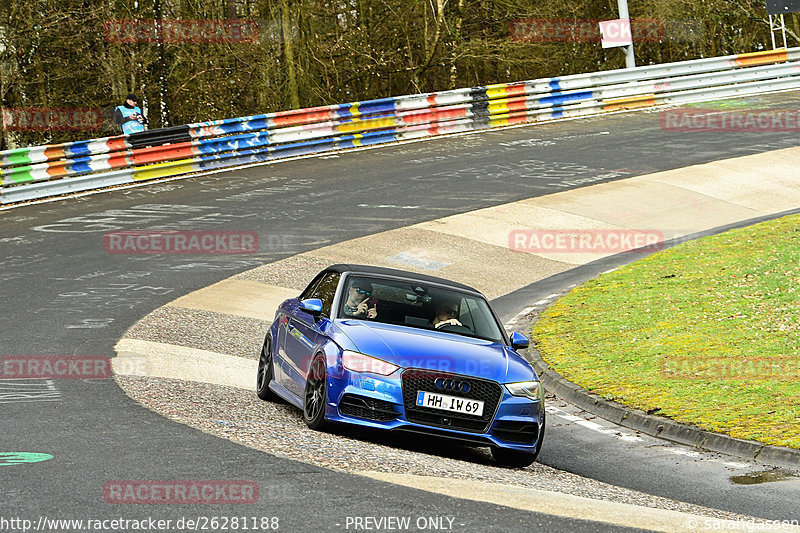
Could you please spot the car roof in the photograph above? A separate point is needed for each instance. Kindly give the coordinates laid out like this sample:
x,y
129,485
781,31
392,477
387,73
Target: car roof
x,y
382,271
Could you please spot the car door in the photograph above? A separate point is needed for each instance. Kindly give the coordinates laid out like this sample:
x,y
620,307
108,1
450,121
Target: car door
x,y
304,333
283,368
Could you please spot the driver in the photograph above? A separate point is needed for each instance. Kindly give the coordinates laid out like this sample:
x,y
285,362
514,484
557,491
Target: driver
x,y
445,314
360,303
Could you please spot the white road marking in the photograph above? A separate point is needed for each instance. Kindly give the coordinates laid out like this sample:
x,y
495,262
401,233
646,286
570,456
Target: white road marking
x,y
735,465
17,391
681,451
700,455
511,323
390,206
594,426
628,437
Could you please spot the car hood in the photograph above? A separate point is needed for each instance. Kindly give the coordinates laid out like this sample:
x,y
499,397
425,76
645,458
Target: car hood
x,y
409,347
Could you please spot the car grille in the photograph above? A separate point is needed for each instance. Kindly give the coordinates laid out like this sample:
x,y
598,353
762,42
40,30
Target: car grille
x,y
369,408
521,432
415,380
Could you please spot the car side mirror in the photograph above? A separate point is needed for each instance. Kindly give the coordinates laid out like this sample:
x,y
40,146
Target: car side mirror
x,y
519,341
312,306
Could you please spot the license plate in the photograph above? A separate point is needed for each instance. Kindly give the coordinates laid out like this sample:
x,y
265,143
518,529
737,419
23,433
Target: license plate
x,y
449,403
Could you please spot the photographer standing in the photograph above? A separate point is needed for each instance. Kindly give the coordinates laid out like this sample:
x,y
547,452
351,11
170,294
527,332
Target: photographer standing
x,y
129,117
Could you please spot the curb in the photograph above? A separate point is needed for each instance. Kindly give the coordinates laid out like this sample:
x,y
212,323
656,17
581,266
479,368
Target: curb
x,y
638,420
660,427
655,426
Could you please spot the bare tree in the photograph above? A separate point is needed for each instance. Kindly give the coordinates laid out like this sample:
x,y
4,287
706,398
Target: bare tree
x,y
315,52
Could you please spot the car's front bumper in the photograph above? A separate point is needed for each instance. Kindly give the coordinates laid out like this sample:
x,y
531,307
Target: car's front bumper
x,y
378,402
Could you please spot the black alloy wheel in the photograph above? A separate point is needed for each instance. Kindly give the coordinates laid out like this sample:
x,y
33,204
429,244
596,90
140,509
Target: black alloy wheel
x,y
266,373
315,395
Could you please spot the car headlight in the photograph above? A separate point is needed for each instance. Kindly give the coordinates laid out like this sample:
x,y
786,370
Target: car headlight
x,y
358,362
532,390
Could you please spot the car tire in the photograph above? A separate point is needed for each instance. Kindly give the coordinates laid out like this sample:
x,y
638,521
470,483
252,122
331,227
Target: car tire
x,y
516,458
266,373
315,394
513,458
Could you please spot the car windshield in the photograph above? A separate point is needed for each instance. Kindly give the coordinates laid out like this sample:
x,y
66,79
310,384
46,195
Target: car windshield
x,y
418,305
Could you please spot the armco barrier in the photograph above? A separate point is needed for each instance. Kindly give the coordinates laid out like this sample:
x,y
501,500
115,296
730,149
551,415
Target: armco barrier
x,y
41,171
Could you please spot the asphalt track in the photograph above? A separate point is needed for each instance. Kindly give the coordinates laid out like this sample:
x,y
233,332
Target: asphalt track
x,y
63,294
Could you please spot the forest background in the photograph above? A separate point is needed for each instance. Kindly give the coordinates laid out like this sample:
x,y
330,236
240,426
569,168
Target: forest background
x,y
197,60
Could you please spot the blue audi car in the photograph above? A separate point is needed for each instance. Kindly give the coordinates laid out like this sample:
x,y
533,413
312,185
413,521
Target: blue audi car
x,y
400,351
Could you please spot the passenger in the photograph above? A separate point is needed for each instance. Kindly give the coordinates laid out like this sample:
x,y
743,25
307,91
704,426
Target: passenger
x,y
446,313
360,303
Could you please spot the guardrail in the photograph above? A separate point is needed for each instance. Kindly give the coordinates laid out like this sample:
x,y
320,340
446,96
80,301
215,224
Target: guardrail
x,y
42,171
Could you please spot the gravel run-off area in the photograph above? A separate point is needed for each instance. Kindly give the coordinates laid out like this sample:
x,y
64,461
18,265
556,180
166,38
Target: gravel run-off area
x,y
278,428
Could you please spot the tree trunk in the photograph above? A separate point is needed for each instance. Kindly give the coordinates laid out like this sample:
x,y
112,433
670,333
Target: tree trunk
x,y
436,37
288,54
6,67
161,66
456,43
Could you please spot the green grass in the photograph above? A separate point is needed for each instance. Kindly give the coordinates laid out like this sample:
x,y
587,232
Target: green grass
x,y
706,333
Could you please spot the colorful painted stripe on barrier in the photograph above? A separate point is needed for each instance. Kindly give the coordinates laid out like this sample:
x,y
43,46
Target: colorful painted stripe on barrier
x,y
259,138
40,154
761,58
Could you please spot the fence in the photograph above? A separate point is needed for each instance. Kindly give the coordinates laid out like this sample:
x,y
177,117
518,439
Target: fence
x,y
42,171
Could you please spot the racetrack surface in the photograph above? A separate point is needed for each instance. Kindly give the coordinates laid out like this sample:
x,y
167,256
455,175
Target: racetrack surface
x,y
64,295
211,336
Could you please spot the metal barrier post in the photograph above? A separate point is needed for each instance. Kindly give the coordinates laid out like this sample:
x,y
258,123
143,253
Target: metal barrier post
x,y
630,60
